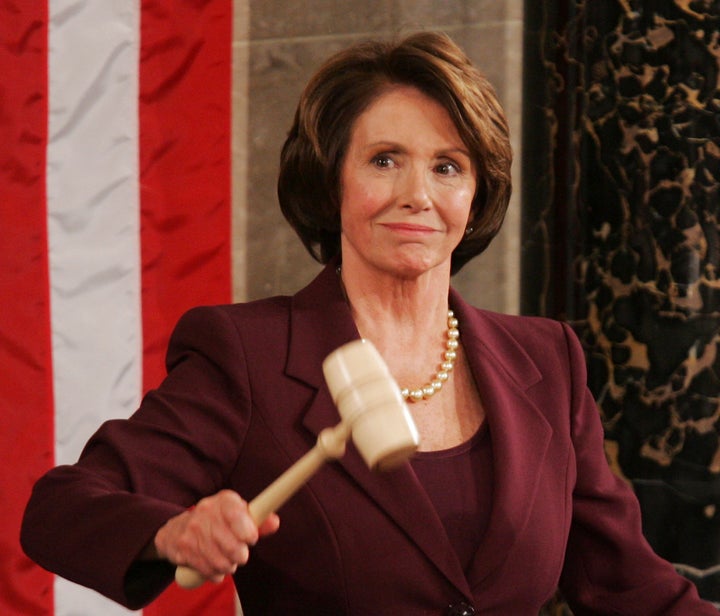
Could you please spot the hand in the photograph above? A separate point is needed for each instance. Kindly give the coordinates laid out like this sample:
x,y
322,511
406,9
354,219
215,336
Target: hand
x,y
214,537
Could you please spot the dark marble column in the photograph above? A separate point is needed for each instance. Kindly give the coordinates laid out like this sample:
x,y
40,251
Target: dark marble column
x,y
621,176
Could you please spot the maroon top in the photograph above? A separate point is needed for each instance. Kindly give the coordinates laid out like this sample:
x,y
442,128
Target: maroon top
x,y
459,483
245,396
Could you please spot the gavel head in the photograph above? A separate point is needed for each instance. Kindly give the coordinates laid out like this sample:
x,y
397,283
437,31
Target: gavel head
x,y
370,402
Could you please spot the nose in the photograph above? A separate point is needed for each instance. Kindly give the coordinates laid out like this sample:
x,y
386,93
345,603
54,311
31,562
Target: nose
x,y
415,190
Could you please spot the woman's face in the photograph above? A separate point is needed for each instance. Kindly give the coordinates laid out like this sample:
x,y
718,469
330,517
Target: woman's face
x,y
407,185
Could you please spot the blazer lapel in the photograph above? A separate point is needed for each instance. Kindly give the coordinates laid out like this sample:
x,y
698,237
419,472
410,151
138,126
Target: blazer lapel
x,y
400,495
519,432
320,311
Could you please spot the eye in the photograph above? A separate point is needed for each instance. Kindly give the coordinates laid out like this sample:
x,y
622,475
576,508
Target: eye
x,y
383,161
448,168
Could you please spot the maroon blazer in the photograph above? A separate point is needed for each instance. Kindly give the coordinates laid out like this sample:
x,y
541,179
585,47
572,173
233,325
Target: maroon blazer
x,y
245,397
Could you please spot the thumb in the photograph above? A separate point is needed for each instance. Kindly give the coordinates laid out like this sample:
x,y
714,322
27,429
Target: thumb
x,y
269,525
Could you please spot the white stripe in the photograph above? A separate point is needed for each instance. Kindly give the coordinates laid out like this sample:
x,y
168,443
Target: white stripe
x,y
93,229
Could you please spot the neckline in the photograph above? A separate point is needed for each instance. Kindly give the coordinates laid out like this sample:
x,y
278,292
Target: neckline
x,y
456,450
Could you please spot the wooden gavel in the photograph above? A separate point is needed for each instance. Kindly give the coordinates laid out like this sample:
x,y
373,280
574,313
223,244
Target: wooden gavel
x,y
372,412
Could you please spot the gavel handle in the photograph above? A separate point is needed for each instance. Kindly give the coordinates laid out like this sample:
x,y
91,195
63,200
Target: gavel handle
x,y
330,445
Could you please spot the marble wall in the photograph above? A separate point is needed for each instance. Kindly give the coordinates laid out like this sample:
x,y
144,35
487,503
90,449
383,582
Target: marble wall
x,y
621,237
277,46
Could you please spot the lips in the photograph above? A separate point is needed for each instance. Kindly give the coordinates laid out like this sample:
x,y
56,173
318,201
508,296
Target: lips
x,y
404,227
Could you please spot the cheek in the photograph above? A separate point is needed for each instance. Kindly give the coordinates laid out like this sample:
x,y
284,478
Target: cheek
x,y
462,206
361,200
352,207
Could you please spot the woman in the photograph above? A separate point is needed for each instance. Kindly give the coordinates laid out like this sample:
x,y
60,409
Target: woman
x,y
395,173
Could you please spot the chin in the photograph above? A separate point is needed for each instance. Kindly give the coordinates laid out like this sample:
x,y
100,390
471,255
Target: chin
x,y
408,269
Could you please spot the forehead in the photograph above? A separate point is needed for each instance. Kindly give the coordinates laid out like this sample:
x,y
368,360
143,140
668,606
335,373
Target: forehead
x,y
405,111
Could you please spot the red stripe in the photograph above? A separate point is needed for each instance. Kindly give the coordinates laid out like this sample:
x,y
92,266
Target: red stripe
x,y
185,152
26,400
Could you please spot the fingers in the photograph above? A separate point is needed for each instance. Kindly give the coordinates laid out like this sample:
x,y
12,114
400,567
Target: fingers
x,y
269,525
214,537
235,519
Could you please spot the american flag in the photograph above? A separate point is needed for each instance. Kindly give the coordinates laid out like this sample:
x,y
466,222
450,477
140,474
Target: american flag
x,y
115,217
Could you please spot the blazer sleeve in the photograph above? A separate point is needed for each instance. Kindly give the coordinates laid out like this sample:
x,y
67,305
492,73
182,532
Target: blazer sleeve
x,y
89,521
609,566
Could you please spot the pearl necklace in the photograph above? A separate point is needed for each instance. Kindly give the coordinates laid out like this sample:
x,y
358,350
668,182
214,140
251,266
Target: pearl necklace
x,y
443,373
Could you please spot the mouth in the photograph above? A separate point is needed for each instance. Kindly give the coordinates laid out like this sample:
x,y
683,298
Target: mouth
x,y
406,228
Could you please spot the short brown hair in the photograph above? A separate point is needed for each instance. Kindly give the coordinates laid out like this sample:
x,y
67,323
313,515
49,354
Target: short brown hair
x,y
309,185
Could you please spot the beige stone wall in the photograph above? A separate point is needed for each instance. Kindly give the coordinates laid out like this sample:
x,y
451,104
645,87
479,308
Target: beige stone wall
x,y
277,45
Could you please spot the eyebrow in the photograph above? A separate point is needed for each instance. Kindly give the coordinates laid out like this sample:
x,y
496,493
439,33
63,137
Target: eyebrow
x,y
462,151
391,146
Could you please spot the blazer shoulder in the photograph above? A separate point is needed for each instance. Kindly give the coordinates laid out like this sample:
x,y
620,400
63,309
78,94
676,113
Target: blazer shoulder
x,y
260,312
527,346
218,328
536,335
522,324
